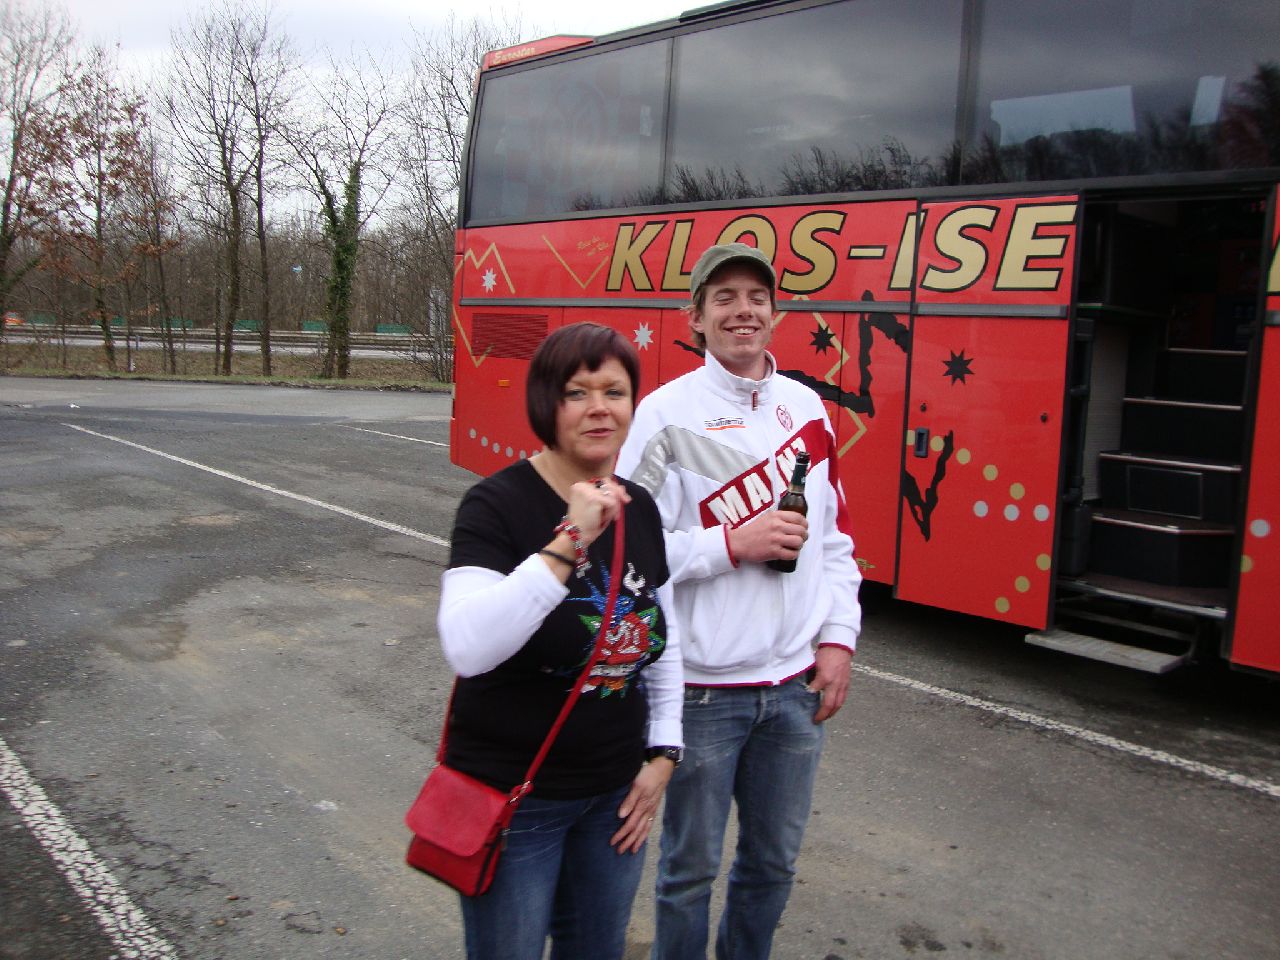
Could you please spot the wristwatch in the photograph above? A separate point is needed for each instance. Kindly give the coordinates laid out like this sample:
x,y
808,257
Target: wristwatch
x,y
674,754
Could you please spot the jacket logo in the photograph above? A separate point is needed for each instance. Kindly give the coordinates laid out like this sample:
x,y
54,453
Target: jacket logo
x,y
725,423
784,417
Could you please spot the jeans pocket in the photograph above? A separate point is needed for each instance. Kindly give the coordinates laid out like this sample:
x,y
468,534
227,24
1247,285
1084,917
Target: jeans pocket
x,y
699,696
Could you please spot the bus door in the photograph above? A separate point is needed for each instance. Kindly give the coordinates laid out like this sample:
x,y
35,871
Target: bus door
x,y
985,403
1255,640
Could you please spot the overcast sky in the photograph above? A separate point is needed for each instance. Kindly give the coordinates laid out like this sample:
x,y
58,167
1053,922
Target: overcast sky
x,y
141,27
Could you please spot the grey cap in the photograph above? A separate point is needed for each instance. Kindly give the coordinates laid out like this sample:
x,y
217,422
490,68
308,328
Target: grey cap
x,y
718,256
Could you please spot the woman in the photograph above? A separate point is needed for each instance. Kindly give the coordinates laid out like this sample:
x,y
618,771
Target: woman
x,y
520,612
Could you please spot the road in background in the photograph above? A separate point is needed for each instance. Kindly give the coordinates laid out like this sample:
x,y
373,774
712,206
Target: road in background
x,y
219,669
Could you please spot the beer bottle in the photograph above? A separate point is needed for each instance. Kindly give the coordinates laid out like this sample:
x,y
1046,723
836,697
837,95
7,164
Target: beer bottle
x,y
793,500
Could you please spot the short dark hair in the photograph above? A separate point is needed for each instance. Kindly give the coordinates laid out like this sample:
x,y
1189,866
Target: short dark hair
x,y
562,355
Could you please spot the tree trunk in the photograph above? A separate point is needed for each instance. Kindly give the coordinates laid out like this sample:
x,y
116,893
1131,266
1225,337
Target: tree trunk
x,y
265,321
344,228
104,321
235,233
170,351
166,314
217,327
126,313
6,244
337,357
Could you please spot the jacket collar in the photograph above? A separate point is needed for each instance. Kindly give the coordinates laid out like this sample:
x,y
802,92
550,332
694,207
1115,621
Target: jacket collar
x,y
740,389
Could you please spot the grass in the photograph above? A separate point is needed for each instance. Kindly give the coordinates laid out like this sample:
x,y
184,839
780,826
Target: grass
x,y
391,372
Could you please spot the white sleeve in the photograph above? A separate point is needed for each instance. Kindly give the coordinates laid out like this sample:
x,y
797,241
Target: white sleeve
x,y
843,578
485,618
664,681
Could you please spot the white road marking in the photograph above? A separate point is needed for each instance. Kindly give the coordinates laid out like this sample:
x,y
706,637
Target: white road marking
x,y
127,926
1080,733
385,525
397,436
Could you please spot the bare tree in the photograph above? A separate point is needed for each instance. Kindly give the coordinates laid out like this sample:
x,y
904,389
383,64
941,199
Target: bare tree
x,y
96,169
160,234
35,41
214,132
436,117
203,289
348,163
269,66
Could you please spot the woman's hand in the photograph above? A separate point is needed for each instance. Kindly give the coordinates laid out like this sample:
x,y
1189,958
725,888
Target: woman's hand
x,y
594,505
640,807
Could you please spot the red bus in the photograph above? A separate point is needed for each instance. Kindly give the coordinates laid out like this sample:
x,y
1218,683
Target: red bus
x,y
1027,255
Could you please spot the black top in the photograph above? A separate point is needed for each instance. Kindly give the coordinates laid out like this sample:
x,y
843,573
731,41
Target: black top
x,y
500,718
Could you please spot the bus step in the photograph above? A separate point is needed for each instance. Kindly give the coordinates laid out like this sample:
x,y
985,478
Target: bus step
x,y
1210,431
1179,486
1073,611
1174,551
1210,376
1095,648
1204,603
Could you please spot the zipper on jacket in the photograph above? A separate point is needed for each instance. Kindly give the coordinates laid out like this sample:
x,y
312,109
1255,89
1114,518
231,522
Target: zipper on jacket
x,y
755,400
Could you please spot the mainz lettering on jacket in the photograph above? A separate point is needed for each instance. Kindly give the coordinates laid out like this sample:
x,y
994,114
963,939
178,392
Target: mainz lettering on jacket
x,y
751,493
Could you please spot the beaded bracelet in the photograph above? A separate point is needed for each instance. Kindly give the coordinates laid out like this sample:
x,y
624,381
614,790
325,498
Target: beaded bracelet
x,y
575,536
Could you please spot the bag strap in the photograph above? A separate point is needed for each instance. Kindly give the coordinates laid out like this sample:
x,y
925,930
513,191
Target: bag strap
x,y
615,581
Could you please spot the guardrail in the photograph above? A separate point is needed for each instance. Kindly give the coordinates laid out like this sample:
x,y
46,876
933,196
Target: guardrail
x,y
396,342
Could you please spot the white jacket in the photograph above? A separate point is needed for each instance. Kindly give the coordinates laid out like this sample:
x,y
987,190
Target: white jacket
x,y
716,451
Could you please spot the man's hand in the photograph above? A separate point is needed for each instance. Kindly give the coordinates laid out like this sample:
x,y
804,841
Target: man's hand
x,y
776,535
831,678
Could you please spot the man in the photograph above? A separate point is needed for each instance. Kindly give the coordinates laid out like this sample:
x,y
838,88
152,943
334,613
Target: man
x,y
766,654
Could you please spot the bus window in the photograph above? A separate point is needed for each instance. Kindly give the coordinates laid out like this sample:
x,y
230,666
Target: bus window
x,y
852,96
1101,88
579,134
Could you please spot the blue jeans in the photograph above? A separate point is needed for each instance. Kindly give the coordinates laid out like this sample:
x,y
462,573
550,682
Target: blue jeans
x,y
757,746
558,877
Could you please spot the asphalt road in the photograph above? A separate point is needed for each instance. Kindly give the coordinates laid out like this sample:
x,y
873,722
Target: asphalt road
x,y
220,687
